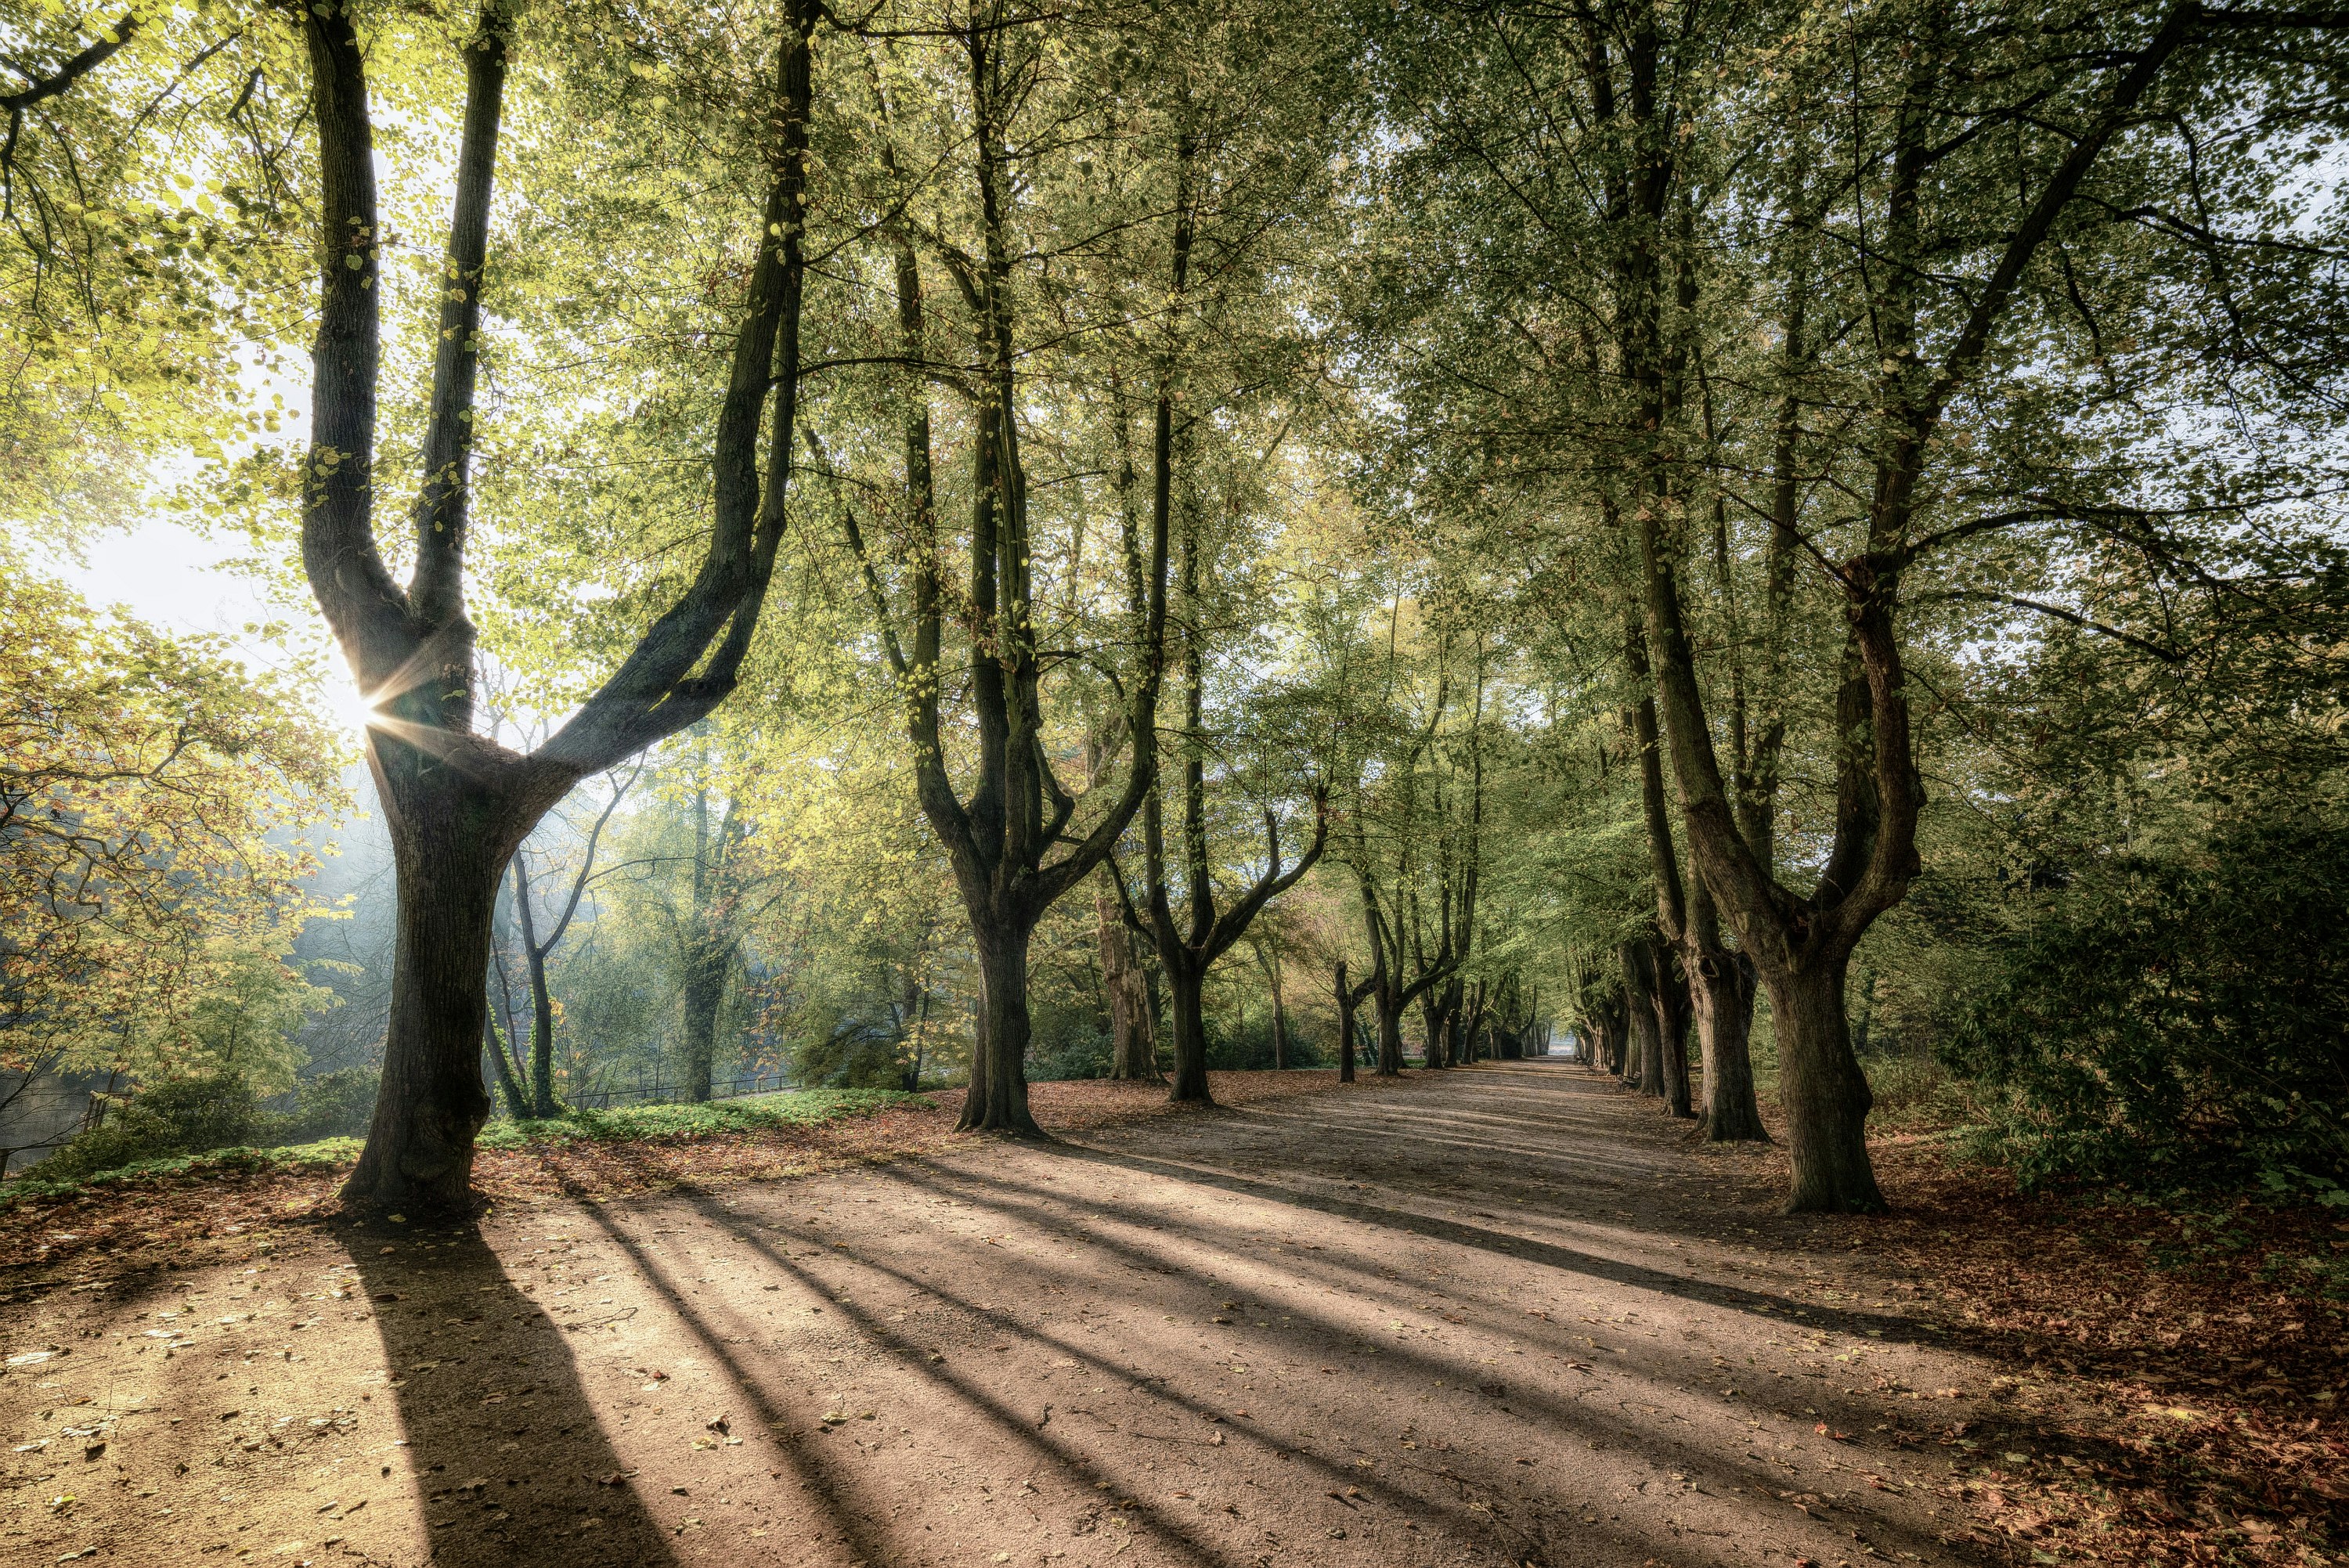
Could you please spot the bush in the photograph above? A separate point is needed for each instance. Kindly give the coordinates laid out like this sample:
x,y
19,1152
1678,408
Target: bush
x,y
1916,1093
1064,1042
1249,1047
174,1116
2176,1020
750,1113
338,1104
858,1047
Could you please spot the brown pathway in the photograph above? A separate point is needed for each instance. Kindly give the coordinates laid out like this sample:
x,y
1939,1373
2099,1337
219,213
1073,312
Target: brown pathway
x,y
1506,1316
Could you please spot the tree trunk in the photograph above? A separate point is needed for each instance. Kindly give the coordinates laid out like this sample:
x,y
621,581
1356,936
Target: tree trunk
x,y
542,1037
705,991
1389,1009
1643,1067
1824,1091
1279,1025
517,1098
916,1012
1433,1005
998,1098
450,847
1185,988
1133,1026
1720,992
1345,1025
1672,1008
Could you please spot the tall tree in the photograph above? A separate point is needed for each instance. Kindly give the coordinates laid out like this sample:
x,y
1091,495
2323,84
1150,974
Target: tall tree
x,y
458,804
1001,835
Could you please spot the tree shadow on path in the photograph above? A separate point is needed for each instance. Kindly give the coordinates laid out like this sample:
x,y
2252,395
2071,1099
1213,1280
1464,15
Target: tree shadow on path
x,y
503,1438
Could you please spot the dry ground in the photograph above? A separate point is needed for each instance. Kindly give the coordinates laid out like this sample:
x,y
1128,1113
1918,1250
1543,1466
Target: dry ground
x,y
1497,1316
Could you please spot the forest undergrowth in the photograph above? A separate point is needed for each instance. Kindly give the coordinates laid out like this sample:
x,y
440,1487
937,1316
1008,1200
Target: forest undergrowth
x,y
2186,1368
2175,1367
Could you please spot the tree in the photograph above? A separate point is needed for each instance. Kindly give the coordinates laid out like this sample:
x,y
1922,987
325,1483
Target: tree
x,y
537,949
459,804
1129,985
148,888
1000,836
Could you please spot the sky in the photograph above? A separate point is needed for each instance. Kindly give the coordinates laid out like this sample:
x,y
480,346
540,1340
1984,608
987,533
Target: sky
x,y
167,574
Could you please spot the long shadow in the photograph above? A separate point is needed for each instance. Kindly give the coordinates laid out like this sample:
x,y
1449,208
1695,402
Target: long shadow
x,y
1522,1248
1000,1415
1525,1140
1072,1462
1565,1415
827,1481
502,1438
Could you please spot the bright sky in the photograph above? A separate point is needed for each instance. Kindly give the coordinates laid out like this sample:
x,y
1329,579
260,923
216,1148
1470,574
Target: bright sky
x,y
174,579
165,573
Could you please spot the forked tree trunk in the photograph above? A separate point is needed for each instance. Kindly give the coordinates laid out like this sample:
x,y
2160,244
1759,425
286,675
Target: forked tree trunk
x,y
998,1098
459,804
450,841
1824,1091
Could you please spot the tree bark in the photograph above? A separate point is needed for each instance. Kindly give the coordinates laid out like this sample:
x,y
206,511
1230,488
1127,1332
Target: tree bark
x,y
542,1037
1348,999
1187,1008
517,1098
1270,960
1436,1007
998,1098
1672,1012
1643,1067
451,840
705,992
1721,994
1390,1013
1133,1025
1823,1091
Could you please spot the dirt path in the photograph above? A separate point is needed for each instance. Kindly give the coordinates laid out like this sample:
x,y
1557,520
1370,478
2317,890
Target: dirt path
x,y
1499,1316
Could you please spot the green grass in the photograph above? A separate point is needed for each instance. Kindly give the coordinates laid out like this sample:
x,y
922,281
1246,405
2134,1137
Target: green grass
x,y
324,1155
751,1113
626,1124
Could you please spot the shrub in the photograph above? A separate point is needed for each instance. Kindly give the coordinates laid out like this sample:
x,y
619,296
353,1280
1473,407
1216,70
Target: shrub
x,y
750,1113
1248,1049
173,1116
337,1104
1066,1043
2175,1019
